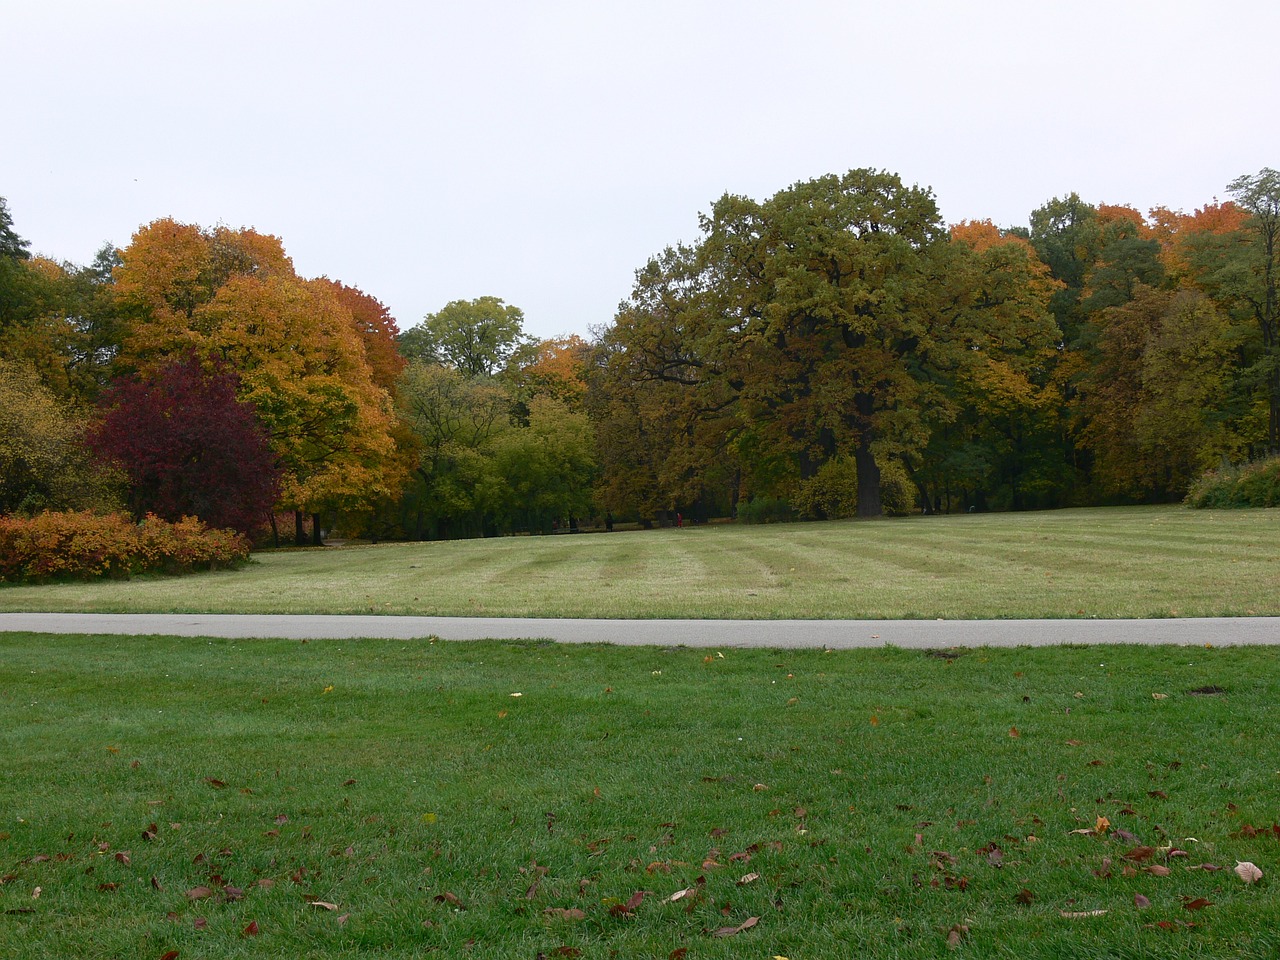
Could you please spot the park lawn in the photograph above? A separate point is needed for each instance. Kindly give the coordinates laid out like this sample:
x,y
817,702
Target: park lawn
x,y
1115,562
211,798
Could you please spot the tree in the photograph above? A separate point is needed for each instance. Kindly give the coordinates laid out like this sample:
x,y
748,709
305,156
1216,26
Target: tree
x,y
475,337
831,296
453,420
544,472
44,464
189,447
299,354
1256,283
377,329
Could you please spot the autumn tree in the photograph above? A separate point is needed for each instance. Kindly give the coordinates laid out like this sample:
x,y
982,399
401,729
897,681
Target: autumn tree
x,y
188,446
298,352
43,461
378,332
475,337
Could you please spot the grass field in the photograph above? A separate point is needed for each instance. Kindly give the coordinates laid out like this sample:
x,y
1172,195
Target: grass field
x,y
1124,562
177,799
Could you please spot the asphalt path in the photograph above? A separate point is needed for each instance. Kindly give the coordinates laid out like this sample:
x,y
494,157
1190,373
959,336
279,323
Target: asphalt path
x,y
828,634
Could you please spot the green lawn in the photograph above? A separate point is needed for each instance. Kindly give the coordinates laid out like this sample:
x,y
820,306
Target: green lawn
x,y
342,799
1130,562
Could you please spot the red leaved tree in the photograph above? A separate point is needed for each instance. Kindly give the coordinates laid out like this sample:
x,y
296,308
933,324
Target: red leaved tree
x,y
188,446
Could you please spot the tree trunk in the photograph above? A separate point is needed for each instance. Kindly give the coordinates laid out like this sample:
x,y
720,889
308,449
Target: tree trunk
x,y
868,481
316,540
299,534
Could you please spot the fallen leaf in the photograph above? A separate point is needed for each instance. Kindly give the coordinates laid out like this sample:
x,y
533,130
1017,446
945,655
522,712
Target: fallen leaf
x,y
123,857
1199,903
746,924
1248,872
323,904
1159,696
1210,867
957,934
171,955
232,894
1139,854
199,893
1140,901
1102,825
1024,897
343,919
625,909
566,951
1081,914
753,877
215,782
1157,870
1013,732
251,930
451,899
681,894
200,923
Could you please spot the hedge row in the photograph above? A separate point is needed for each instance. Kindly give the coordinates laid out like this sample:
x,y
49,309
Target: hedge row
x,y
82,546
1255,484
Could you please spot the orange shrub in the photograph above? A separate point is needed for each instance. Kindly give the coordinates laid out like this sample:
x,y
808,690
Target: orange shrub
x,y
82,546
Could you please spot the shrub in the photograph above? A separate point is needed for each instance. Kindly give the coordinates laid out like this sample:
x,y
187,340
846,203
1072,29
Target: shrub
x,y
764,510
832,494
1254,484
84,546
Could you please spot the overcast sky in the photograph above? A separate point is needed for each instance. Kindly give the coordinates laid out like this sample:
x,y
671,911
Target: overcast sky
x,y
428,151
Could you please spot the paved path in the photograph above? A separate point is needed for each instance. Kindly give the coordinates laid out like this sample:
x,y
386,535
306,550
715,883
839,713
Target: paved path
x,y
831,634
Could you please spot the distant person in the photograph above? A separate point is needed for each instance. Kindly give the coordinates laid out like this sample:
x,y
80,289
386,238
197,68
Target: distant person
x,y
679,520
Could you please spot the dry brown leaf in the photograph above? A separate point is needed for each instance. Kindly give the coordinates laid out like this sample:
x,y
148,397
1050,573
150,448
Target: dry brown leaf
x,y
681,894
1199,903
753,877
323,904
1081,914
251,930
1157,870
1248,872
199,893
1139,854
957,934
1140,901
746,924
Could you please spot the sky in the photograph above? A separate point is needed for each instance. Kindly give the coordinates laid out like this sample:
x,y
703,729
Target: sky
x,y
541,151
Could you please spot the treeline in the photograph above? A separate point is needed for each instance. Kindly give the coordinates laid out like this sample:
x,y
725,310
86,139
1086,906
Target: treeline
x,y
834,350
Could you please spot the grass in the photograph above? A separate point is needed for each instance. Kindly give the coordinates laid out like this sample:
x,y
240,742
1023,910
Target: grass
x,y
1123,562
886,799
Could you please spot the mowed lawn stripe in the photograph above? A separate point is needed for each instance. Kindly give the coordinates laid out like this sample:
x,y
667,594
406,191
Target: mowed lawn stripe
x,y
1116,562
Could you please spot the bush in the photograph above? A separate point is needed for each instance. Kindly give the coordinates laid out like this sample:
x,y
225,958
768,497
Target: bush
x,y
765,510
84,546
832,494
1254,484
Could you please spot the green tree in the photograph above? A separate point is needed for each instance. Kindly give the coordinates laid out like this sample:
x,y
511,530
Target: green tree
x,y
452,420
544,472
475,337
